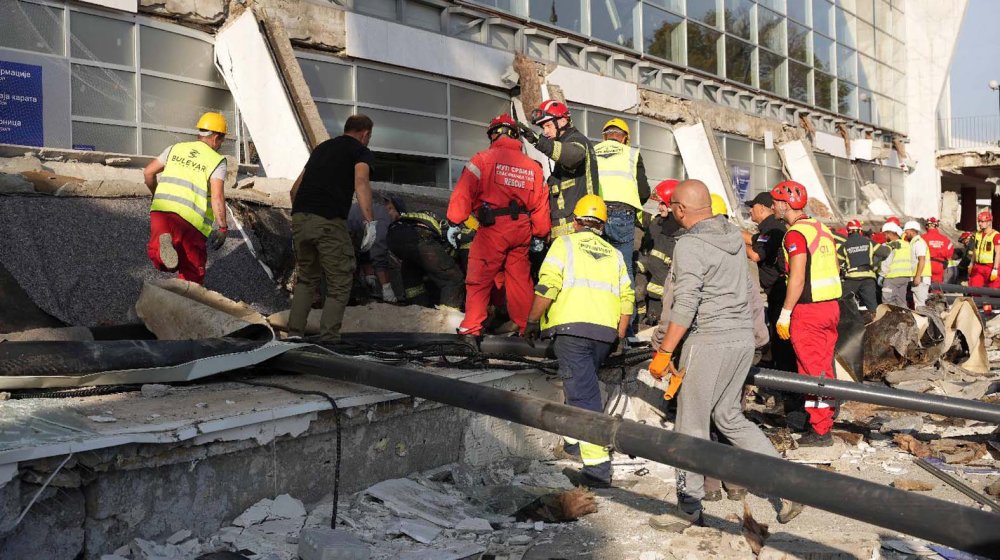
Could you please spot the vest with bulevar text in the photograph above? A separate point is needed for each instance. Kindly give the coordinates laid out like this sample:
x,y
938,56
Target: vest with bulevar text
x,y
183,187
822,270
617,165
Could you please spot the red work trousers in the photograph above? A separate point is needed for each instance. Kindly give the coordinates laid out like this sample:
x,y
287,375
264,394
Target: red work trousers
x,y
498,249
188,242
937,271
814,336
980,276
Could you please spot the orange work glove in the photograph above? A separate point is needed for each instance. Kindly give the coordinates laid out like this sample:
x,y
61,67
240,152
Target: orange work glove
x,y
993,275
661,361
676,378
784,324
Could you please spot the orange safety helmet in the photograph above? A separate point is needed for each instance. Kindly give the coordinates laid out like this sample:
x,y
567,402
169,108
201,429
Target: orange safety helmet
x,y
666,189
549,110
791,192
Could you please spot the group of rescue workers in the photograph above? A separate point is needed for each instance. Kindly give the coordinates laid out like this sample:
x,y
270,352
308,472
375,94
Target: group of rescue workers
x,y
561,256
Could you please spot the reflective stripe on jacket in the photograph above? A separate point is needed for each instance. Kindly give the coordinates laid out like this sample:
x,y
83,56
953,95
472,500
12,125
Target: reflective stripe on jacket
x,y
858,254
184,187
617,166
568,185
984,247
822,270
587,279
424,219
902,264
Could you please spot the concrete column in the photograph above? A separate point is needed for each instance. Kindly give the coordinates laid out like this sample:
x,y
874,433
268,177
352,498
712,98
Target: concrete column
x,y
995,208
968,221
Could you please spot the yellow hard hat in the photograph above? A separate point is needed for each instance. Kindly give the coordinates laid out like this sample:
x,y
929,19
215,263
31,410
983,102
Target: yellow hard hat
x,y
214,122
719,207
591,206
619,124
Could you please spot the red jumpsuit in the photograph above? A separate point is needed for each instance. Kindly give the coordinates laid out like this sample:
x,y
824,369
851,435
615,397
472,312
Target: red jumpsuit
x,y
941,249
814,338
982,260
498,176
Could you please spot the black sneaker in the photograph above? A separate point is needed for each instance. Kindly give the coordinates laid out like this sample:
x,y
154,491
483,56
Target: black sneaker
x,y
812,439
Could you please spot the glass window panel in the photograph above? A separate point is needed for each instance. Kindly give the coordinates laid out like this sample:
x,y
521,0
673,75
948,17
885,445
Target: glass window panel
x,y
797,11
675,6
422,15
104,138
381,8
703,49
172,53
900,117
737,18
505,5
823,53
822,16
847,99
396,90
101,39
865,101
155,141
334,116
824,90
455,168
399,131
656,137
865,10
739,61
476,106
776,5
467,139
410,170
612,21
866,38
883,47
772,72
798,82
846,28
703,11
662,34
866,72
883,18
849,5
842,167
103,93
561,13
771,30
596,121
847,63
798,42
660,166
170,103
774,176
328,80
31,27
738,150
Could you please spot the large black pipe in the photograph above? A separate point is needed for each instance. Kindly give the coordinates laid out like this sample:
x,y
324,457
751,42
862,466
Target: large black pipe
x,y
928,518
959,289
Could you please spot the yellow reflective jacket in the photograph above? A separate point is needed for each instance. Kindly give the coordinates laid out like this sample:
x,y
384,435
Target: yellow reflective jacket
x,y
617,166
184,187
822,269
587,280
984,247
902,265
927,255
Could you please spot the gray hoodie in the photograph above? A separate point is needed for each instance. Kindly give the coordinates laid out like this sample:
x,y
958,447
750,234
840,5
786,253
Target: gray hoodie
x,y
710,279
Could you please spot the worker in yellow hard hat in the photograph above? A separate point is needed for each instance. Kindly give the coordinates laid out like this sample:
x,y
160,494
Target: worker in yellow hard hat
x,y
188,201
624,188
719,206
584,299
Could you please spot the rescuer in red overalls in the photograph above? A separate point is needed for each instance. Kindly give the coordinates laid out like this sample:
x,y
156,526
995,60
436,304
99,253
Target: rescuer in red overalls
x,y
506,191
983,271
940,247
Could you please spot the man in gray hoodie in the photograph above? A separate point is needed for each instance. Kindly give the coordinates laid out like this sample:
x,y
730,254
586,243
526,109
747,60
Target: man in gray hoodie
x,y
711,307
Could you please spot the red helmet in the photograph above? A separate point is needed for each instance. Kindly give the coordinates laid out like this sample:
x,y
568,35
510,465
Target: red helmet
x,y
505,124
984,216
853,224
666,189
933,222
878,237
791,192
893,220
965,236
549,110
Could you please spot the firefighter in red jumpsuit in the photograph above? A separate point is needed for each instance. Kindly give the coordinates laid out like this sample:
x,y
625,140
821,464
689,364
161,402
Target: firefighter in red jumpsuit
x,y
811,313
985,256
940,247
506,191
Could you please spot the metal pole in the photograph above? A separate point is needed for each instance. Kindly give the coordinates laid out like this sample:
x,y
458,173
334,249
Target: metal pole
x,y
967,529
957,289
875,394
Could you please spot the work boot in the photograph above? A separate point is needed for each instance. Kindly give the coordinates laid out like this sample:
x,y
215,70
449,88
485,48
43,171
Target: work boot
x,y
812,439
789,511
736,494
168,255
713,496
567,453
676,521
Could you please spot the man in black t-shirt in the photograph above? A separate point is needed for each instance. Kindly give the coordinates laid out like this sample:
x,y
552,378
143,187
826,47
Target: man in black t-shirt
x,y
766,251
321,200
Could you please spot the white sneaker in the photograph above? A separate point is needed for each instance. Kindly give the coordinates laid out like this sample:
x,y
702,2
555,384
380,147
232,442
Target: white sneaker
x,y
168,255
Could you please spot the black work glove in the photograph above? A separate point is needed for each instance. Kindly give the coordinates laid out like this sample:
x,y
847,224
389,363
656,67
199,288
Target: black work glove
x,y
218,238
528,133
532,332
619,347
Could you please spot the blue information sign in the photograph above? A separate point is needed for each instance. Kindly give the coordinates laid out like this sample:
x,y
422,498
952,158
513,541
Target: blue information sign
x,y
21,104
741,181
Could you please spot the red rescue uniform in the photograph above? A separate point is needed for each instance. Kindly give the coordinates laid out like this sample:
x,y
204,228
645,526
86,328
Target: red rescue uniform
x,y
984,245
941,250
504,179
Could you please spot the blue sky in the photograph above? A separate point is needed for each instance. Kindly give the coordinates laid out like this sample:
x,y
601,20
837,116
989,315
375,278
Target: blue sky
x,y
976,61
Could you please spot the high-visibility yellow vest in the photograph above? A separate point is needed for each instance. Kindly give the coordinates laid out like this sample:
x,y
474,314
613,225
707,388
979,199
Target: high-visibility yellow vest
x,y
927,255
984,247
587,279
902,265
822,268
617,166
183,188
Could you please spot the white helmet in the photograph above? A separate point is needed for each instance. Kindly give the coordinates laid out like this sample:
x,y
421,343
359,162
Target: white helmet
x,y
912,224
889,226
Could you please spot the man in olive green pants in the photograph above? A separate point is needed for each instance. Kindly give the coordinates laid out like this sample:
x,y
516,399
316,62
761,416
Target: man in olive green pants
x,y
321,199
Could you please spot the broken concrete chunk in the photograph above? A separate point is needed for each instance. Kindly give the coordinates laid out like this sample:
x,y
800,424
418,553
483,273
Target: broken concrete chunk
x,y
407,498
102,419
993,489
904,424
286,507
476,525
255,514
419,531
452,551
154,390
912,485
328,544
